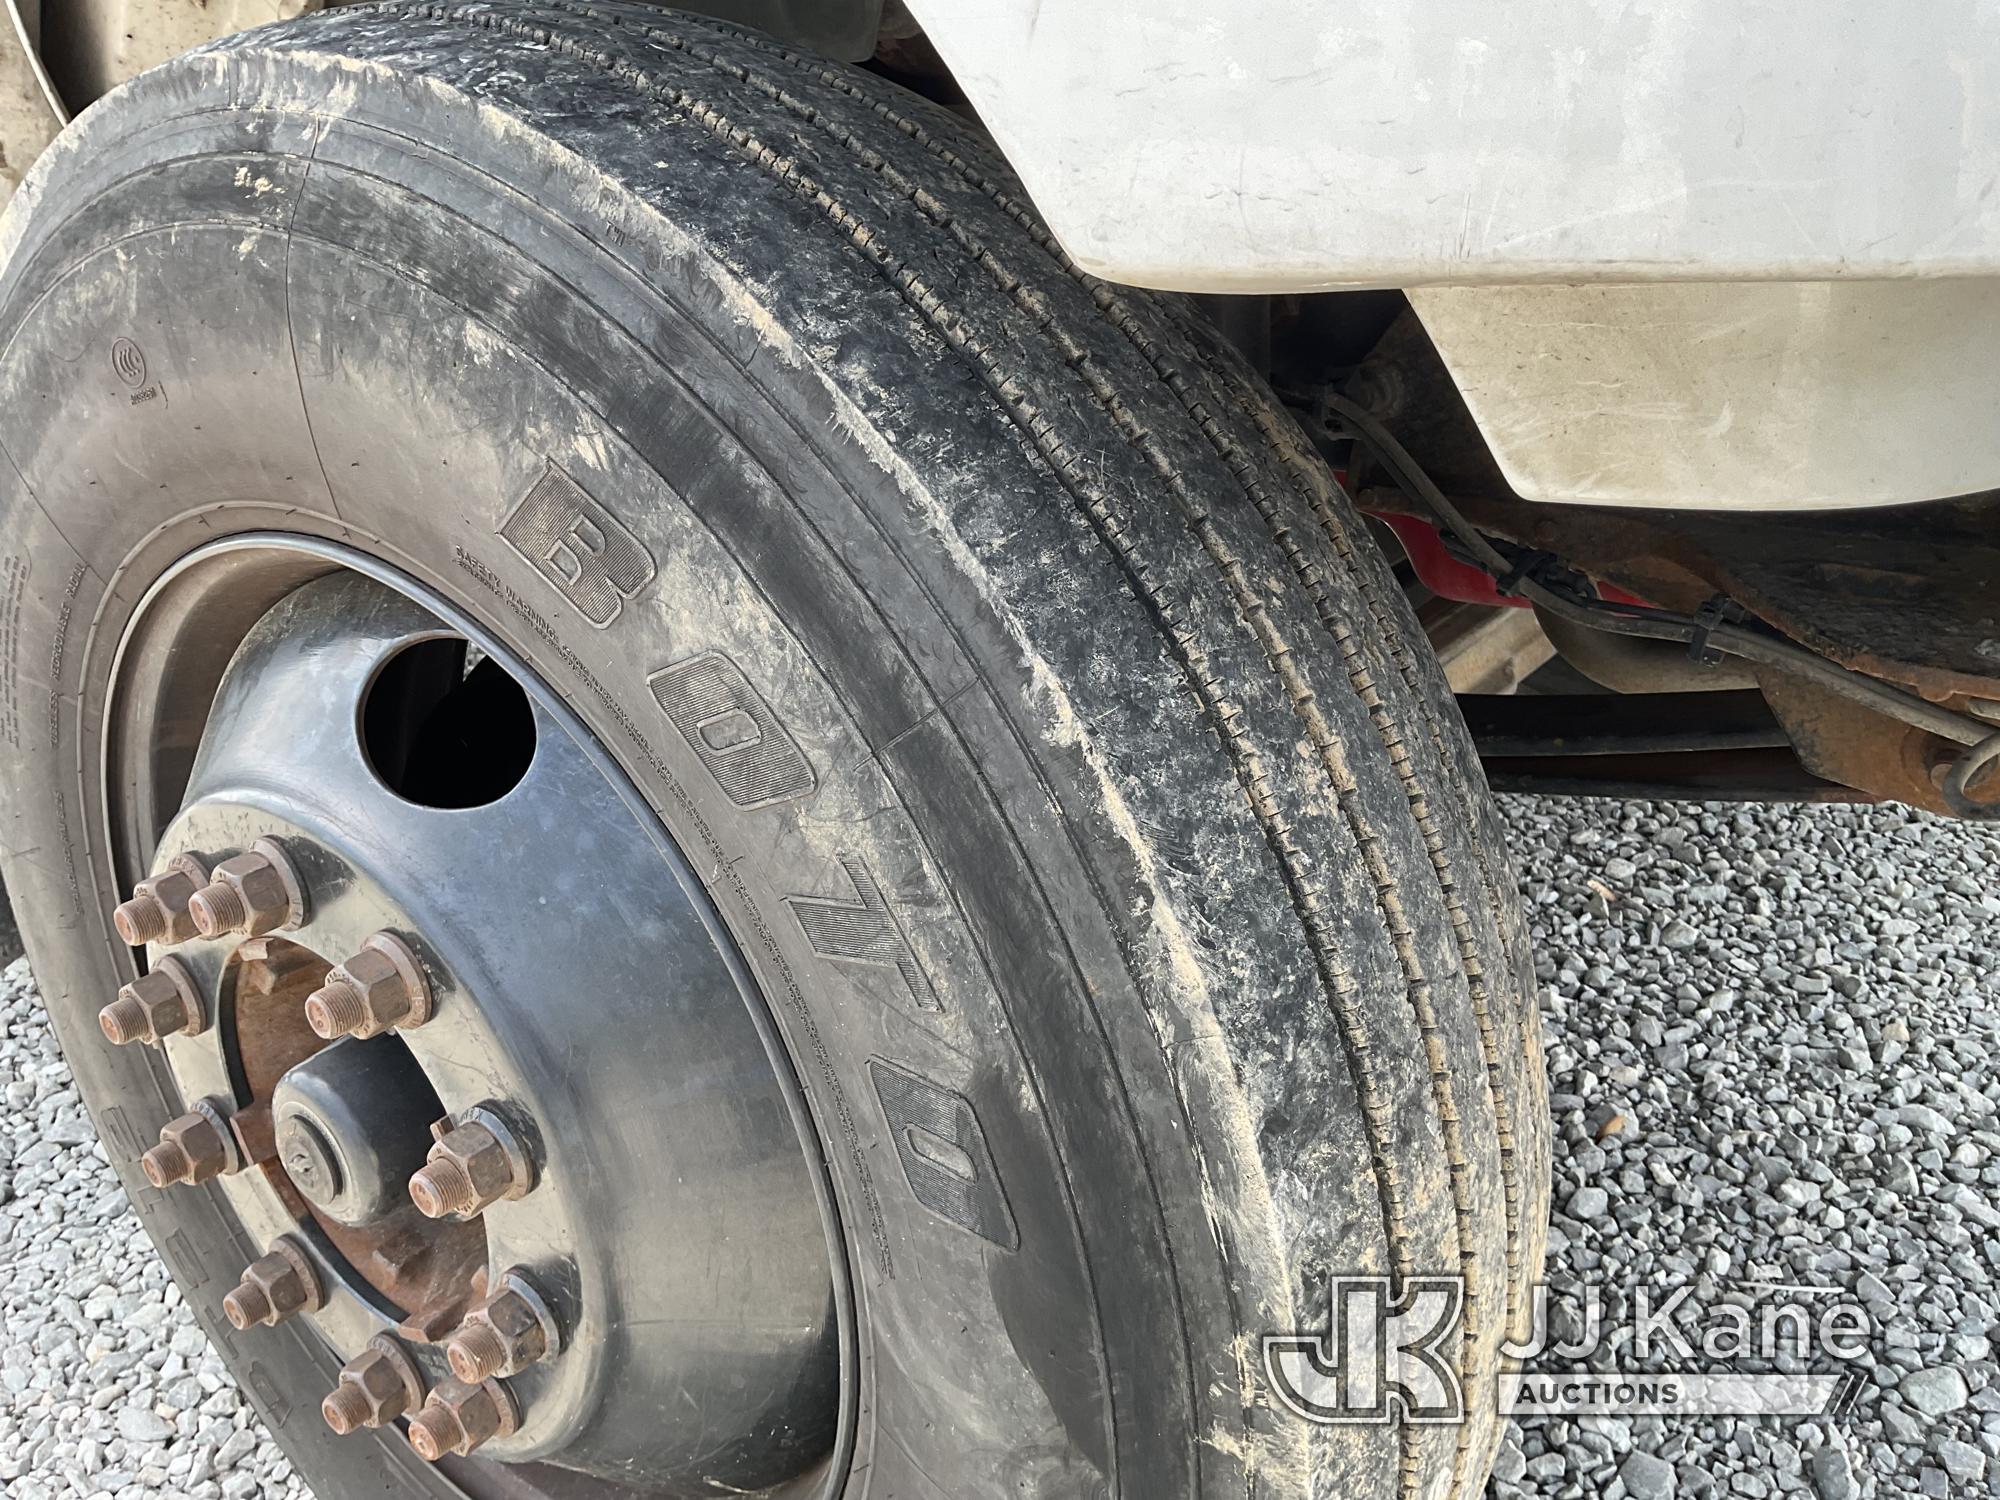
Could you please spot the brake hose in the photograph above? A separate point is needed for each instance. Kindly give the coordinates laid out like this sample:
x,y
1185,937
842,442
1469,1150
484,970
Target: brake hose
x,y
1708,631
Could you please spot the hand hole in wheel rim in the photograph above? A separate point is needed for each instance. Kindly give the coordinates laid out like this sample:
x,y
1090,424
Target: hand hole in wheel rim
x,y
310,780
445,726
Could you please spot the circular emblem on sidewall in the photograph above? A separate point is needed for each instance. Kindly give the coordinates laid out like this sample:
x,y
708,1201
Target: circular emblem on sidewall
x,y
128,363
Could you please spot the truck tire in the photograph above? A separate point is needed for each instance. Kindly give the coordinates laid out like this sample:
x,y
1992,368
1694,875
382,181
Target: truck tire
x,y
1162,879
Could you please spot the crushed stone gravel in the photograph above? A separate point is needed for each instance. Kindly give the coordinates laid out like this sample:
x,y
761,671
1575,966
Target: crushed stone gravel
x,y
1774,1054
1774,1048
108,1389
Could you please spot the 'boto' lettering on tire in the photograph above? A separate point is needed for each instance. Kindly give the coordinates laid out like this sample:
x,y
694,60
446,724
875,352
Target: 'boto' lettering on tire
x,y
575,543
595,563
733,732
944,1154
863,931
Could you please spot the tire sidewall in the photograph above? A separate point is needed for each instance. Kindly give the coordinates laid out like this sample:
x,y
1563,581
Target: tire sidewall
x,y
763,511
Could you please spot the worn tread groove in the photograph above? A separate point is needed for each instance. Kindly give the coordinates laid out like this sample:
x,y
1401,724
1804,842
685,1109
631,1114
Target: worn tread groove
x,y
1247,760
1252,774
1303,697
1187,649
1390,632
1244,757
1507,1107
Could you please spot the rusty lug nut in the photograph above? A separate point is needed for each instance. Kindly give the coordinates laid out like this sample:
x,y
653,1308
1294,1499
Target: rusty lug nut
x,y
471,1166
380,987
458,1418
377,1386
504,1335
249,895
197,1146
163,1003
158,911
274,1287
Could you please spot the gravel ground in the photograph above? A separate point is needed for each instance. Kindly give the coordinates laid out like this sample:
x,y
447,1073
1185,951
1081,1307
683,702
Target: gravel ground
x,y
1772,1040
107,1387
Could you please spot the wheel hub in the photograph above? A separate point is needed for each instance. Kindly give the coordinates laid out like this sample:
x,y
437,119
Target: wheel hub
x,y
351,1124
475,1063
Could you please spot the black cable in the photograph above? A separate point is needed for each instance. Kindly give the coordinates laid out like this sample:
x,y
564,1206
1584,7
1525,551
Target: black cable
x,y
1710,630
1957,787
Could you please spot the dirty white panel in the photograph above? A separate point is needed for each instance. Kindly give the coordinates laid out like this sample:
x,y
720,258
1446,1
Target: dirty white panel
x,y
30,116
102,43
1745,396
1272,145
106,42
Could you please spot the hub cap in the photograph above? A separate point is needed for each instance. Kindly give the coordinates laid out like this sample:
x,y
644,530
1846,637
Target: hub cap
x,y
477,1063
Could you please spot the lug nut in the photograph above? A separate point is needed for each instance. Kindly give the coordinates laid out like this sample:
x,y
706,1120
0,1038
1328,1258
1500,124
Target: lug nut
x,y
444,1187
337,1008
158,911
457,1418
478,1351
347,1407
124,1020
377,1386
275,1287
504,1335
471,1166
197,1146
249,895
163,1003
169,1163
382,986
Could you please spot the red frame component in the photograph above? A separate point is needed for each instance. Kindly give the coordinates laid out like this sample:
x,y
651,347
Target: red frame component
x,y
1450,578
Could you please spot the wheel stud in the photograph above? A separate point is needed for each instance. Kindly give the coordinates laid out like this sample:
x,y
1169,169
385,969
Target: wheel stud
x,y
382,986
158,911
249,895
275,1287
504,1335
162,1003
193,1148
457,1418
377,1386
471,1166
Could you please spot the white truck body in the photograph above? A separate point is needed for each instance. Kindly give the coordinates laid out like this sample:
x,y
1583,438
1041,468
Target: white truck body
x,y
1728,254
1582,174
